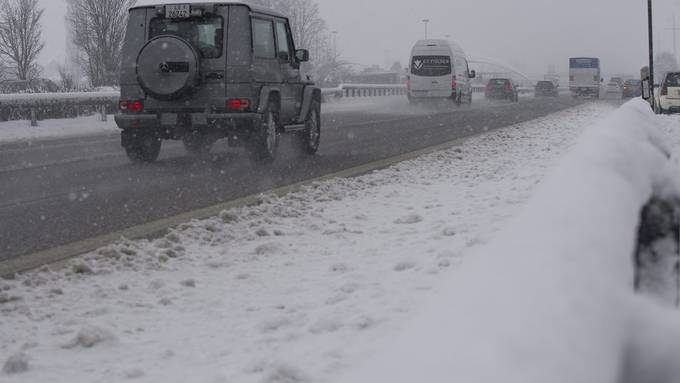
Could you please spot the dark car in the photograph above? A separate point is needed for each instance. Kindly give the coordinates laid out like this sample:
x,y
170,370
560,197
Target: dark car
x,y
501,89
545,89
201,72
632,88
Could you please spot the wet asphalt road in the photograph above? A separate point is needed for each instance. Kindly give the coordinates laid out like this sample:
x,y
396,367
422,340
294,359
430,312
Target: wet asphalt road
x,y
60,191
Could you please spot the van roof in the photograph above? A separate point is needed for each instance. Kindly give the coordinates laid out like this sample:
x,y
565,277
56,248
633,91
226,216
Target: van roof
x,y
253,8
440,43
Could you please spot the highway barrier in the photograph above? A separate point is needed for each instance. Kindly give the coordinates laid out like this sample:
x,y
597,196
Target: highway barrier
x,y
39,106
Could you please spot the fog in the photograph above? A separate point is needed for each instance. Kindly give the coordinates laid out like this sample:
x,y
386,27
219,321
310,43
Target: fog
x,y
528,34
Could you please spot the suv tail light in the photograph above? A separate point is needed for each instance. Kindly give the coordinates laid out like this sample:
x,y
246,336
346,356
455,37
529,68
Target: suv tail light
x,y
408,83
131,105
238,103
572,78
664,90
454,84
508,86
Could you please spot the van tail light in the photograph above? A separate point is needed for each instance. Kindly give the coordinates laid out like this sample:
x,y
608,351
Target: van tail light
x,y
131,105
664,90
454,84
238,103
408,83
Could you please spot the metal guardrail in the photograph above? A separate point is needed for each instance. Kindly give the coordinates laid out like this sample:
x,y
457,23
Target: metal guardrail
x,y
36,106
365,90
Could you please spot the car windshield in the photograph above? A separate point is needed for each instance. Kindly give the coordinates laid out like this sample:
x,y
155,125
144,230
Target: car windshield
x,y
339,191
206,34
499,82
673,79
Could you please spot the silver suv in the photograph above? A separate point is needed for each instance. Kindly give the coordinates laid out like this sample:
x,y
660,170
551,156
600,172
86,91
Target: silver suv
x,y
201,72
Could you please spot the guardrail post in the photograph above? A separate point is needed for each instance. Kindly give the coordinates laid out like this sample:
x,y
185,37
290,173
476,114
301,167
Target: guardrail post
x,y
102,113
34,117
657,258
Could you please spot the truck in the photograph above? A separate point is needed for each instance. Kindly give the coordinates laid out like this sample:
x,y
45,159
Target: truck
x,y
584,77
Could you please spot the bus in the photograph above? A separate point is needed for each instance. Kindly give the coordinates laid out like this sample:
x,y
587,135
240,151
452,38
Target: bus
x,y
585,77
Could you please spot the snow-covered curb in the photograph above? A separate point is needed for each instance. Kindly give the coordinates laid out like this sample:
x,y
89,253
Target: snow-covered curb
x,y
296,289
551,298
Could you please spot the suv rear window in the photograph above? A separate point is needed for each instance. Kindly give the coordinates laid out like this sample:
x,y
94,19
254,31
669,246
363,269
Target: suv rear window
x,y
499,82
431,66
206,34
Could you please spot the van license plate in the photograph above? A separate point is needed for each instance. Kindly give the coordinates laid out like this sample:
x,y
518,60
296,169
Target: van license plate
x,y
178,11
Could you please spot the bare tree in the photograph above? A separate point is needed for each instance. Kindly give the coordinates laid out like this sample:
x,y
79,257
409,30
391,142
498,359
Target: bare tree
x,y
97,30
21,35
67,81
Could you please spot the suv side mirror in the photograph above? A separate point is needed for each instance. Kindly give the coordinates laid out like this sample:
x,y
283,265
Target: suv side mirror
x,y
302,55
472,74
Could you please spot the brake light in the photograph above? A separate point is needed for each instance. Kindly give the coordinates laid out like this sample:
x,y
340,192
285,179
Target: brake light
x,y
454,85
572,78
664,90
238,103
508,86
131,105
408,83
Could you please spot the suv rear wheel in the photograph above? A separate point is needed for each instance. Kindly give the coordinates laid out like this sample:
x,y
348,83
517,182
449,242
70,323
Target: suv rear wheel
x,y
310,138
264,143
143,148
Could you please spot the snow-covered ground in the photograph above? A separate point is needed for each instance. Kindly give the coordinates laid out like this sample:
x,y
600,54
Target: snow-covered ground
x,y
18,131
302,288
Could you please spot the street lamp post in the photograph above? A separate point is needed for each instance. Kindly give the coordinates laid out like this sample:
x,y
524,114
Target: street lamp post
x,y
335,45
651,53
425,21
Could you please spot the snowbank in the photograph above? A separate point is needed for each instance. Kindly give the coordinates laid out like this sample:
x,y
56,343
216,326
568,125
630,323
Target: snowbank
x,y
551,299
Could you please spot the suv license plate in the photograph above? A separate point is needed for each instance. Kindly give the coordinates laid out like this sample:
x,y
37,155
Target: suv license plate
x,y
178,11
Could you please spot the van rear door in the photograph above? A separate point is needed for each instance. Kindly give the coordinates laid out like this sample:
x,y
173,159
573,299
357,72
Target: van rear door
x,y
431,74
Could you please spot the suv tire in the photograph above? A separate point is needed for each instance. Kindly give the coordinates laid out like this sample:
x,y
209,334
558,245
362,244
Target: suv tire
x,y
309,139
143,148
264,143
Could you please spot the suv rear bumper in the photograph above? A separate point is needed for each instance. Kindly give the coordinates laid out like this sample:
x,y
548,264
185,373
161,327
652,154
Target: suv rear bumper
x,y
170,120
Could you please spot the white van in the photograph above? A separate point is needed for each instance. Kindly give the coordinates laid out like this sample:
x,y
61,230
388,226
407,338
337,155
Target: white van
x,y
439,69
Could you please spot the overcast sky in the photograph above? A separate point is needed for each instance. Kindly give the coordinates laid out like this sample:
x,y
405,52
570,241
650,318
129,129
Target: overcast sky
x,y
529,34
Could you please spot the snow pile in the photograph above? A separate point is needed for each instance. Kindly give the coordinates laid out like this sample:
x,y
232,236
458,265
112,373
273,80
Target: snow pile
x,y
295,289
551,298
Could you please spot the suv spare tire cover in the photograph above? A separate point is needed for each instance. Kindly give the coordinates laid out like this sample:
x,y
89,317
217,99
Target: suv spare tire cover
x,y
168,67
